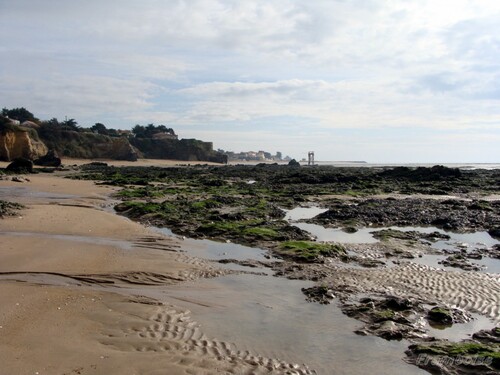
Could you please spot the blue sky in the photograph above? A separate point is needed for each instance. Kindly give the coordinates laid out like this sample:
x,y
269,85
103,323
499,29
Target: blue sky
x,y
374,80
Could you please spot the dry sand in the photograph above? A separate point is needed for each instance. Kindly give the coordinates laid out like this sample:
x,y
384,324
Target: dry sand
x,y
69,272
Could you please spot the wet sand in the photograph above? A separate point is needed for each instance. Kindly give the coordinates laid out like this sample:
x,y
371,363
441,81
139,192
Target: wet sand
x,y
66,267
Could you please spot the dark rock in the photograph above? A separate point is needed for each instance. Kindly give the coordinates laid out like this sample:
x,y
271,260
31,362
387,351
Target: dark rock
x,y
20,165
294,163
409,212
321,294
485,336
51,159
495,233
398,303
460,261
440,315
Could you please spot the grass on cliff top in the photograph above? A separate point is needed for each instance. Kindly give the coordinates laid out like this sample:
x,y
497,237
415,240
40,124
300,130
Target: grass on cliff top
x,y
309,251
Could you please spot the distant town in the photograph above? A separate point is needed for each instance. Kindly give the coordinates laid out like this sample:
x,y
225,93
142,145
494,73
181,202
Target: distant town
x,y
254,156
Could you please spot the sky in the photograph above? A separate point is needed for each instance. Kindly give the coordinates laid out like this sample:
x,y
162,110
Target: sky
x,y
373,80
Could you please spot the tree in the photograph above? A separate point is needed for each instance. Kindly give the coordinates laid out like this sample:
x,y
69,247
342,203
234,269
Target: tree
x,y
139,131
70,124
19,114
149,130
99,128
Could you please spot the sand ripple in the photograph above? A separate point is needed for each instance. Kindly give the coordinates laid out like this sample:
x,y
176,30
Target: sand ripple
x,y
173,331
474,292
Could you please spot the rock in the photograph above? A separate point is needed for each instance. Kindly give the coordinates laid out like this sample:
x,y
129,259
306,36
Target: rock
x,y
485,336
123,150
294,163
20,165
460,261
495,233
50,159
440,315
390,331
20,179
398,303
321,294
17,142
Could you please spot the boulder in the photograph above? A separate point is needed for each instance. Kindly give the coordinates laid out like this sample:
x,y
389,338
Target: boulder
x,y
440,315
495,233
20,165
50,159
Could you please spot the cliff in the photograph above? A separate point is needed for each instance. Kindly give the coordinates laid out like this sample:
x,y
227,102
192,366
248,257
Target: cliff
x,y
87,145
20,142
34,140
183,149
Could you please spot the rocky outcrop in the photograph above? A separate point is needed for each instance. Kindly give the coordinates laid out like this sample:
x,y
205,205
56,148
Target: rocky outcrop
x,y
17,142
20,165
121,149
183,149
51,159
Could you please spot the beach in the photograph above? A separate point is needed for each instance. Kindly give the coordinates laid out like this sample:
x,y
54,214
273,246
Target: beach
x,y
86,291
65,265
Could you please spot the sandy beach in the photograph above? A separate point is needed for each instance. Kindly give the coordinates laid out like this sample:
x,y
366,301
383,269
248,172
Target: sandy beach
x,y
65,264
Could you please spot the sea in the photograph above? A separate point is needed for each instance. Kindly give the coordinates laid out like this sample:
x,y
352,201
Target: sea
x,y
410,165
363,164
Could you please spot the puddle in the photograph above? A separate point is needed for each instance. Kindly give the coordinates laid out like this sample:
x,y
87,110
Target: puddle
x,y
364,235
213,250
125,245
463,331
490,265
337,235
302,213
13,192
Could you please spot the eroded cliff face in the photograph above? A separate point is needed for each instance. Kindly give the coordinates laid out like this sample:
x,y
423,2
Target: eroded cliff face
x,y
20,144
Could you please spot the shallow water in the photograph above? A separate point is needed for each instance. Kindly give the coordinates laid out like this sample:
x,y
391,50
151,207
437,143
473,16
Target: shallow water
x,y
13,192
125,245
459,332
364,235
213,250
270,316
489,265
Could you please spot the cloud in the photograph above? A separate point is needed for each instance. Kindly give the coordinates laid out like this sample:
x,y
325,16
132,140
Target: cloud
x,y
367,66
82,96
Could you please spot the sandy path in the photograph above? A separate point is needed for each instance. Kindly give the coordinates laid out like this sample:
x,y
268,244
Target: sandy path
x,y
65,266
